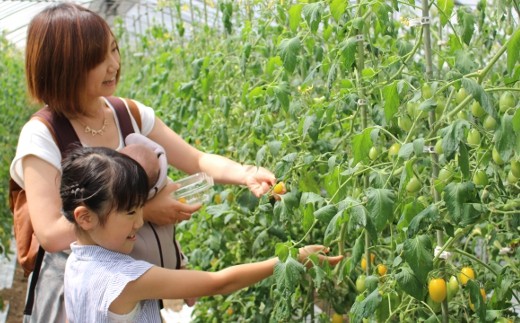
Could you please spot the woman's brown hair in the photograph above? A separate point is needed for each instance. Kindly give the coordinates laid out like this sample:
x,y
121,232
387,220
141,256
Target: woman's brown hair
x,y
64,42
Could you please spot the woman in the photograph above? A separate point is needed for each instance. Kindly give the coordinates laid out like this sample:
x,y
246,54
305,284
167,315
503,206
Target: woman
x,y
72,64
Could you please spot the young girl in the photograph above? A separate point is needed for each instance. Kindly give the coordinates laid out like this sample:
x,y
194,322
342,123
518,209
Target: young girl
x,y
103,194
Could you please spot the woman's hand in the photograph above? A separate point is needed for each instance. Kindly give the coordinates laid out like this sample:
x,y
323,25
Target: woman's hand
x,y
258,179
164,209
319,250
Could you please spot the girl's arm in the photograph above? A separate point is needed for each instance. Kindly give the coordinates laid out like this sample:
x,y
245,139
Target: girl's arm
x,y
42,182
161,283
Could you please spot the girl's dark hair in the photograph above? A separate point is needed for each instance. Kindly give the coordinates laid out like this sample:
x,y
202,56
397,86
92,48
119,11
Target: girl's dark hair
x,y
103,180
64,42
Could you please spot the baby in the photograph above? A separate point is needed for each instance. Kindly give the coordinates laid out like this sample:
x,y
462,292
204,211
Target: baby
x,y
151,157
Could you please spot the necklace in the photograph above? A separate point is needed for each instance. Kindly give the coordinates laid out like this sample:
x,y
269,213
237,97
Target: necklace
x,y
95,132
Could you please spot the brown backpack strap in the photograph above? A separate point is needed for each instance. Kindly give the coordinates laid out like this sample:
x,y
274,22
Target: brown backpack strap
x,y
60,127
125,124
134,110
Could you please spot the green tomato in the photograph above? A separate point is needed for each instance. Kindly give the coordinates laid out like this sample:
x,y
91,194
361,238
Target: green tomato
x,y
453,287
404,123
394,150
426,91
496,157
445,175
463,115
360,283
410,108
511,179
460,95
476,110
480,178
509,30
374,152
515,168
436,307
506,101
473,137
413,185
490,123
438,147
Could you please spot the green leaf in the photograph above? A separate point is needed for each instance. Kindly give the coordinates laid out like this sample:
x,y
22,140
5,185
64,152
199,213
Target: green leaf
x,y
410,284
466,22
283,94
326,213
358,249
476,299
453,134
308,217
422,220
418,253
361,144
289,50
464,62
260,241
478,93
391,99
513,51
380,206
359,216
348,49
288,274
366,307
331,232
308,197
337,8
260,155
295,16
464,161
445,10
458,198
409,212
312,14
505,137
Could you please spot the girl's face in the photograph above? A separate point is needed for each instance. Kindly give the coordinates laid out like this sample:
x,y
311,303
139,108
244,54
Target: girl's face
x,y
119,231
101,80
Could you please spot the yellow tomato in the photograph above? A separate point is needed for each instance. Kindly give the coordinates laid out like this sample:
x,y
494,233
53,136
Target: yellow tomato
x,y
381,269
337,318
466,274
279,188
437,289
182,200
364,261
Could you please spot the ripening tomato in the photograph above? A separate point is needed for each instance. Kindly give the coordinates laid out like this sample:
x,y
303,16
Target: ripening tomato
x,y
337,318
279,188
466,273
381,269
437,289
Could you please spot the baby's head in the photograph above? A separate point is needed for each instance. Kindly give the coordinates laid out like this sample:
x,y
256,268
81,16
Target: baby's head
x,y
147,158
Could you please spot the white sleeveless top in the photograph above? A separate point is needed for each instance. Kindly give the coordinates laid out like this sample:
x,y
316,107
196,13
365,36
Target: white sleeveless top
x,y
94,277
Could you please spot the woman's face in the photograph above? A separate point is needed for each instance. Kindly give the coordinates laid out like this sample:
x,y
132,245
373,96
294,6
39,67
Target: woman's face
x,y
101,80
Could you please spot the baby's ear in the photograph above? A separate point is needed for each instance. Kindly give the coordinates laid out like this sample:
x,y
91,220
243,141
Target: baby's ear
x,y
85,218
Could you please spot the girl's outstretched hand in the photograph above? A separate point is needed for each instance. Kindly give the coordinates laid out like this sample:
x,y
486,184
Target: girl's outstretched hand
x,y
305,252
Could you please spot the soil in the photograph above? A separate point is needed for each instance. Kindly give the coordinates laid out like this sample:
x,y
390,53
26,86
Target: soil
x,y
15,296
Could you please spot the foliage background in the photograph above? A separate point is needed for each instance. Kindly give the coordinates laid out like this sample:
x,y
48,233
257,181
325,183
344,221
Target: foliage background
x,y
290,86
